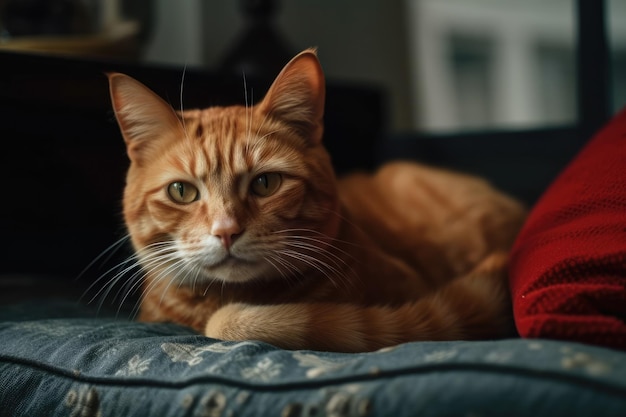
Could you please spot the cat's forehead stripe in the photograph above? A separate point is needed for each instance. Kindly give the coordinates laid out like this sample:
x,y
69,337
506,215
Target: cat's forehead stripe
x,y
235,141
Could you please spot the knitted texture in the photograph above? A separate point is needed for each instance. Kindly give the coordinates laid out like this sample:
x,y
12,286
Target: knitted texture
x,y
568,265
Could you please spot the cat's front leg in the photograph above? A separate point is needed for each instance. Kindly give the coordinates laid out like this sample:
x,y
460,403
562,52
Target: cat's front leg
x,y
474,306
283,325
317,326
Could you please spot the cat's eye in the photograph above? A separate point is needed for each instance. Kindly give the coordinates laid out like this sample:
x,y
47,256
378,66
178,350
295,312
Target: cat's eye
x,y
266,184
182,192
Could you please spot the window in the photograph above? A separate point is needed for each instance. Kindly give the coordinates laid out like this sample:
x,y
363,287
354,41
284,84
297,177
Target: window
x,y
508,63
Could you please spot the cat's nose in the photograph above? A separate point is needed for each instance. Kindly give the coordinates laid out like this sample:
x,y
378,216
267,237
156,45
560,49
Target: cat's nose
x,y
227,229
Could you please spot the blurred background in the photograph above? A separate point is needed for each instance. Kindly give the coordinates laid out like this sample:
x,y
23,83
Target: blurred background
x,y
505,89
445,65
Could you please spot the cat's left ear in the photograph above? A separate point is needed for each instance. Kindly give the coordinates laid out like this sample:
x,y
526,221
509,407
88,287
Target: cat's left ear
x,y
144,117
297,96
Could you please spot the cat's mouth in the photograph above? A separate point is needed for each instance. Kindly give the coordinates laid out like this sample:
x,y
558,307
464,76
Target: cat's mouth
x,y
232,269
229,260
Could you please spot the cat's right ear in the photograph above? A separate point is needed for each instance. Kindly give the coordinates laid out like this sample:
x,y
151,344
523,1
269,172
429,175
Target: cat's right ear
x,y
143,116
297,96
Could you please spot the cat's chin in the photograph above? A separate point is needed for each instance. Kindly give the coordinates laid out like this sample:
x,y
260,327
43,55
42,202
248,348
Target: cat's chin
x,y
235,270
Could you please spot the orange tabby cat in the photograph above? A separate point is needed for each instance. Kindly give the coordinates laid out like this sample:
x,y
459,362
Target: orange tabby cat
x,y
244,232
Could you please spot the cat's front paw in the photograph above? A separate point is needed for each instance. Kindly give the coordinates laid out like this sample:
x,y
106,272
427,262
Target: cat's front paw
x,y
280,325
228,323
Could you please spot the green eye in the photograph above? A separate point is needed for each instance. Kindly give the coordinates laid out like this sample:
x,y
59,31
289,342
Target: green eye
x,y
182,192
266,184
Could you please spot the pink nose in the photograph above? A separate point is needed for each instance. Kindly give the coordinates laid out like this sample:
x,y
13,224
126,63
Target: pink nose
x,y
227,229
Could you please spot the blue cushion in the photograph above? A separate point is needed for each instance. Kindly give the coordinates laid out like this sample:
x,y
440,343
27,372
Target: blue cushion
x,y
74,363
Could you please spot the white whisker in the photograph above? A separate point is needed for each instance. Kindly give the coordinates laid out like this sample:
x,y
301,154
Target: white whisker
x,y
206,290
174,267
109,252
270,133
313,262
128,289
113,280
155,279
258,131
151,257
103,277
324,251
284,264
339,263
182,112
302,232
292,272
320,245
248,107
148,264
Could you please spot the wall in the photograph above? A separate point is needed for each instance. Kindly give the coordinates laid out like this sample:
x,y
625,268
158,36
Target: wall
x,y
522,76
358,41
176,33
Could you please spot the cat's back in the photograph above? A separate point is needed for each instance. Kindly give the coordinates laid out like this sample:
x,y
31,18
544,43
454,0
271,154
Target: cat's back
x,y
439,221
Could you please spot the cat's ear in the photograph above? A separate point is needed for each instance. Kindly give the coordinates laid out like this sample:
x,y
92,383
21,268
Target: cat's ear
x,y
297,96
143,116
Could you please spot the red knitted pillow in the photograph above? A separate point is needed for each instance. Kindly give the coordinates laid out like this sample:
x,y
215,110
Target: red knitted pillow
x,y
568,265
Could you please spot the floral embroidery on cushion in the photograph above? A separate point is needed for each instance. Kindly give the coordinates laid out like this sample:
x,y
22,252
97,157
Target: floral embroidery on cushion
x,y
440,355
84,402
225,347
345,401
264,370
184,352
588,363
193,353
135,366
213,404
318,366
499,356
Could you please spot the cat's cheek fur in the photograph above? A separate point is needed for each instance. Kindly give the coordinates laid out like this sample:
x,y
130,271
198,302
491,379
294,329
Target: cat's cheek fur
x,y
281,325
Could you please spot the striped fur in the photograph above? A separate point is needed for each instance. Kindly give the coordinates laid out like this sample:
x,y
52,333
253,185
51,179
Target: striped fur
x,y
357,264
